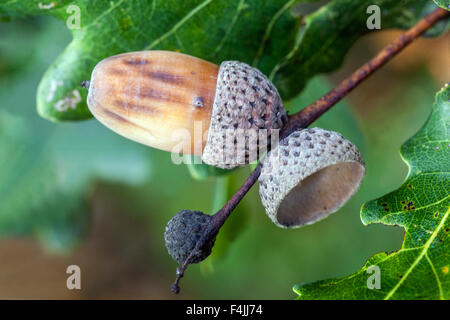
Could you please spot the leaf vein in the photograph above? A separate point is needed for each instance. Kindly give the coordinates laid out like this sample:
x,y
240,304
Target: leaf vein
x,y
269,30
186,18
230,27
438,281
419,257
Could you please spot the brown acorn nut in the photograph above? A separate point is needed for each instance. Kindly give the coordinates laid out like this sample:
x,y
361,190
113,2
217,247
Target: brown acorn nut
x,y
147,96
308,176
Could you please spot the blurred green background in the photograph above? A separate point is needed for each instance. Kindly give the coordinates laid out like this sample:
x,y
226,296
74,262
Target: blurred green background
x,y
128,192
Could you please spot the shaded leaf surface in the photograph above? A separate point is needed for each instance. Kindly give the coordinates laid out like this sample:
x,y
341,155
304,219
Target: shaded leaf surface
x,y
420,270
285,45
44,187
48,171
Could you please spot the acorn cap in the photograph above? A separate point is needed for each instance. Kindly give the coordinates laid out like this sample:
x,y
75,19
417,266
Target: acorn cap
x,y
308,176
245,101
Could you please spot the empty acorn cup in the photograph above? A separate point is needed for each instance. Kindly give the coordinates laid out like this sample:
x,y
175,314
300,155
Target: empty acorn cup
x,y
308,176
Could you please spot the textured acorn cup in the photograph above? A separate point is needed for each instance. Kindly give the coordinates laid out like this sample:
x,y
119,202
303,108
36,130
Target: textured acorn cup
x,y
308,176
182,234
245,102
176,102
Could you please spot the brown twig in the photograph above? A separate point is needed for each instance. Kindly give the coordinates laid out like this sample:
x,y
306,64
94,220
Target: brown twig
x,y
311,113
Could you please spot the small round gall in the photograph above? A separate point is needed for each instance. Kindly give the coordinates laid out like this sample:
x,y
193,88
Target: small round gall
x,y
309,175
183,232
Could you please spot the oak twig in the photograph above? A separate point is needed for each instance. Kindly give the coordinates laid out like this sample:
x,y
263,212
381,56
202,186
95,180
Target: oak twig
x,y
311,113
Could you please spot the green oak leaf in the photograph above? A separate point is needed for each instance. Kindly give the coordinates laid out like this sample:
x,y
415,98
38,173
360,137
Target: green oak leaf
x,y
445,4
420,269
282,39
200,170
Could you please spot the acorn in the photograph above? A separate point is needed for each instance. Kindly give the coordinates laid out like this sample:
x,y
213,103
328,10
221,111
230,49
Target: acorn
x,y
182,234
153,97
309,175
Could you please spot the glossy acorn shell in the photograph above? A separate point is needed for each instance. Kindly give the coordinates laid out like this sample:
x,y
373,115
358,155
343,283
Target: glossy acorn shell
x,y
155,97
